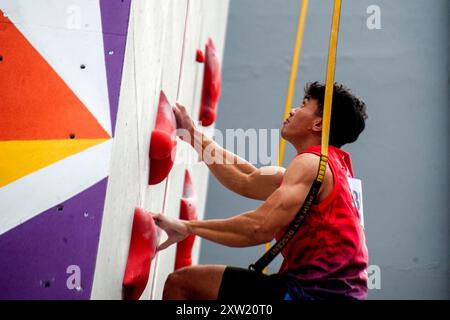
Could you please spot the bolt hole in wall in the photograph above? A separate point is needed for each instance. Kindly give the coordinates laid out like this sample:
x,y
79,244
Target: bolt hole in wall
x,y
60,208
1,58
83,66
72,136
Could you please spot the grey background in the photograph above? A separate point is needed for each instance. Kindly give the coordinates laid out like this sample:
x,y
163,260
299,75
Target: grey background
x,y
402,72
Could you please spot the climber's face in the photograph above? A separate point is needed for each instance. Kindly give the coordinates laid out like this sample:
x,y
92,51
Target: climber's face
x,y
303,121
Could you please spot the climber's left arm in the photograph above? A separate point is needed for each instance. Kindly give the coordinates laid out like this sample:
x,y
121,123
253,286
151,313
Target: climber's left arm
x,y
253,227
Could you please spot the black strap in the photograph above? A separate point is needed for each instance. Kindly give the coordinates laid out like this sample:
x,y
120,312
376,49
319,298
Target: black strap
x,y
267,258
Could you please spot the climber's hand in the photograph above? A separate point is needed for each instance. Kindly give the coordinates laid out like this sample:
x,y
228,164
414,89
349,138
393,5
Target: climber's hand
x,y
177,230
184,122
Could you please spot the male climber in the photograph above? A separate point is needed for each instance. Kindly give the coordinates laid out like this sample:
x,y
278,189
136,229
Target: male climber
x,y
327,258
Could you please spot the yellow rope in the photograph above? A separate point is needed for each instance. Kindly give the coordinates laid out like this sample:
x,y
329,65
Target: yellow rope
x,y
292,78
329,85
330,76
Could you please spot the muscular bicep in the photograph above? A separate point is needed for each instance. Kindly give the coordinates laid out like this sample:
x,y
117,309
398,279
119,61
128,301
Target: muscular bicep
x,y
282,205
263,182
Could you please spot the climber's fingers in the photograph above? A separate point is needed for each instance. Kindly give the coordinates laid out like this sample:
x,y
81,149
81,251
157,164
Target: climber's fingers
x,y
183,119
176,229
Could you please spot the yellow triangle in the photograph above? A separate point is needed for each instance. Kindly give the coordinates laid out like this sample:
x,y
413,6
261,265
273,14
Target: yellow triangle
x,y
19,158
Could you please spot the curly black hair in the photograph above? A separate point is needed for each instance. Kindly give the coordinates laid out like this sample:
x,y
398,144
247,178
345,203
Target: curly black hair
x,y
348,113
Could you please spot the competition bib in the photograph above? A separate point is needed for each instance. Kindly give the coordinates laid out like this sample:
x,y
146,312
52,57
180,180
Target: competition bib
x,y
356,189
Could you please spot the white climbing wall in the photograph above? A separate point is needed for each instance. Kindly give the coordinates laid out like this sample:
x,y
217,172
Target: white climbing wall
x,y
153,60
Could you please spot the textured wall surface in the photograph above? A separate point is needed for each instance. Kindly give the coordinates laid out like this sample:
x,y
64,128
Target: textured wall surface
x,y
79,88
152,63
60,70
402,72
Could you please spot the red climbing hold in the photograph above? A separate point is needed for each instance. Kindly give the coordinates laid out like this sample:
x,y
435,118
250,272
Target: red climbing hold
x,y
144,240
187,212
211,85
163,142
200,57
159,169
161,145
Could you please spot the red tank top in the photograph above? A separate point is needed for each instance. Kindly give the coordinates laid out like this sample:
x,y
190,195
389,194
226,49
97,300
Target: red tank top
x,y
328,254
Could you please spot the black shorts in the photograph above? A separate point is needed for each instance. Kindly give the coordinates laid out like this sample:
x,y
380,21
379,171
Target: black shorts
x,y
242,284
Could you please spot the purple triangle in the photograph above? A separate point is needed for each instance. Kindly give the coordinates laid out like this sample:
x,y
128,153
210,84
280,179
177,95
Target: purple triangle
x,y
115,15
35,255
